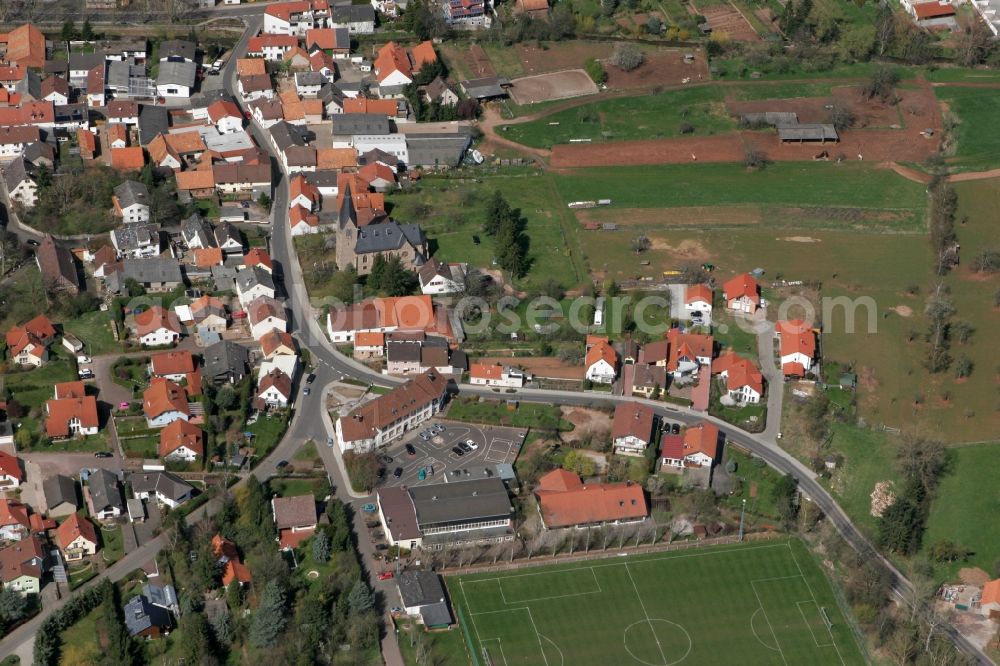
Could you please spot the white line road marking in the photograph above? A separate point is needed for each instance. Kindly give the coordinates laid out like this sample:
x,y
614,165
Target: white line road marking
x,y
659,647
761,604
815,600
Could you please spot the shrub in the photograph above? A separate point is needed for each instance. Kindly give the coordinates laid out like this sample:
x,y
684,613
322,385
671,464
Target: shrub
x,y
627,57
595,70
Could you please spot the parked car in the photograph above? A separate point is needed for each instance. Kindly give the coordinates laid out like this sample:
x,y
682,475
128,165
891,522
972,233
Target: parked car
x,y
306,391
385,575
675,429
103,454
122,405
457,451
465,447
471,444
310,379
398,472
424,436
437,427
384,459
381,546
410,450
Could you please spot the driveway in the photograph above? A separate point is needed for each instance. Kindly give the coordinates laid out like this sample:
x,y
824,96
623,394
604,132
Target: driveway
x,y
775,380
68,464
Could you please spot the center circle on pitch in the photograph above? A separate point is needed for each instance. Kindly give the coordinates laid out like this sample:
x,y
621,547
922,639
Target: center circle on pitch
x,y
657,642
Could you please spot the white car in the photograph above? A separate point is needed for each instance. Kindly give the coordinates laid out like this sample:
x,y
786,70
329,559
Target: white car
x,y
471,444
82,359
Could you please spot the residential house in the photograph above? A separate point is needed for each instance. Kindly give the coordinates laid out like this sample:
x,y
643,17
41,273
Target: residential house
x,y
24,45
494,374
229,239
295,518
106,501
175,80
138,240
797,347
177,50
197,233
274,389
22,565
131,201
989,601
358,19
243,180
252,283
302,221
402,357
601,362
128,159
334,41
123,112
226,116
77,538
467,14
116,136
688,352
277,343
164,402
233,569
422,596
632,428
175,365
14,522
156,327
369,345
143,619
296,17
14,140
437,277
71,413
257,256
699,447
270,47
255,86
565,501
698,298
440,92
182,441
389,416
742,294
744,381
209,314
11,473
153,273
265,314
57,266
60,495
225,362
388,315
19,178
28,344
166,488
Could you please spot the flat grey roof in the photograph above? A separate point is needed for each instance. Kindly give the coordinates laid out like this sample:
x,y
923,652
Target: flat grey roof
x,y
461,502
808,132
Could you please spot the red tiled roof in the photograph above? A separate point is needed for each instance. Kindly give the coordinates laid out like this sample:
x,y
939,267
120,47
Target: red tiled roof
x,y
386,107
487,371
275,338
236,571
206,257
601,351
369,339
13,513
703,438
223,108
197,179
739,371
73,527
632,418
62,411
127,159
87,140
796,338
163,396
181,433
15,560
376,170
26,46
154,319
589,504
365,421
423,54
793,370
251,66
258,257
295,511
991,593
698,292
75,389
687,346
176,362
742,285
10,466
392,58
269,40
929,10
672,446
560,480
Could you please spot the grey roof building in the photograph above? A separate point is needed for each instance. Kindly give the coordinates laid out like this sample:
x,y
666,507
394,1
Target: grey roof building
x,y
30,85
131,238
153,121
142,618
80,61
309,79
352,14
347,124
176,74
227,236
248,278
17,171
60,495
197,232
285,135
422,593
436,149
773,118
168,488
104,492
388,236
153,271
487,88
132,192
808,132
164,596
177,50
225,361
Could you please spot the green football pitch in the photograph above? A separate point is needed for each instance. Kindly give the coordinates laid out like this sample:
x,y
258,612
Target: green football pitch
x,y
762,603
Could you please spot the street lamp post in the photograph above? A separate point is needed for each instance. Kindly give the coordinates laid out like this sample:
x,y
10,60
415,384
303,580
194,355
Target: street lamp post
x,y
743,511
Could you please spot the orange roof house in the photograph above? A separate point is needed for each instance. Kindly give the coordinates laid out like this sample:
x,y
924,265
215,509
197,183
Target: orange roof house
x,y
931,10
251,66
127,159
170,363
386,107
206,257
181,433
66,417
196,180
742,293
696,293
601,351
564,501
233,570
258,257
369,339
153,319
989,601
797,347
75,389
701,444
88,143
486,371
392,58
10,467
687,349
740,372
117,133
162,397
275,341
25,46
72,530
533,8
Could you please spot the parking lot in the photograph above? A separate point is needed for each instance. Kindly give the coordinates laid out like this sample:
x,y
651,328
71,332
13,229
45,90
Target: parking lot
x,y
494,446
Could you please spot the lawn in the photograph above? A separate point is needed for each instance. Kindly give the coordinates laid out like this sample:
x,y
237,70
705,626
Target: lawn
x,y
976,146
963,75
33,387
267,432
83,634
967,490
737,604
94,330
755,481
145,447
868,457
289,487
452,211
526,415
625,118
113,548
444,648
781,184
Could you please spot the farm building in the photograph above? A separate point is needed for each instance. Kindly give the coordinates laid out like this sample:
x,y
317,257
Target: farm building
x,y
772,118
808,133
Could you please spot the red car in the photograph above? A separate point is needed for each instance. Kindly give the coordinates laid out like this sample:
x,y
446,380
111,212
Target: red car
x,y
385,575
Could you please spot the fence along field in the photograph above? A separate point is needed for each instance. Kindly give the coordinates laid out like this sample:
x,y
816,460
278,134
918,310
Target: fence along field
x,y
748,604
